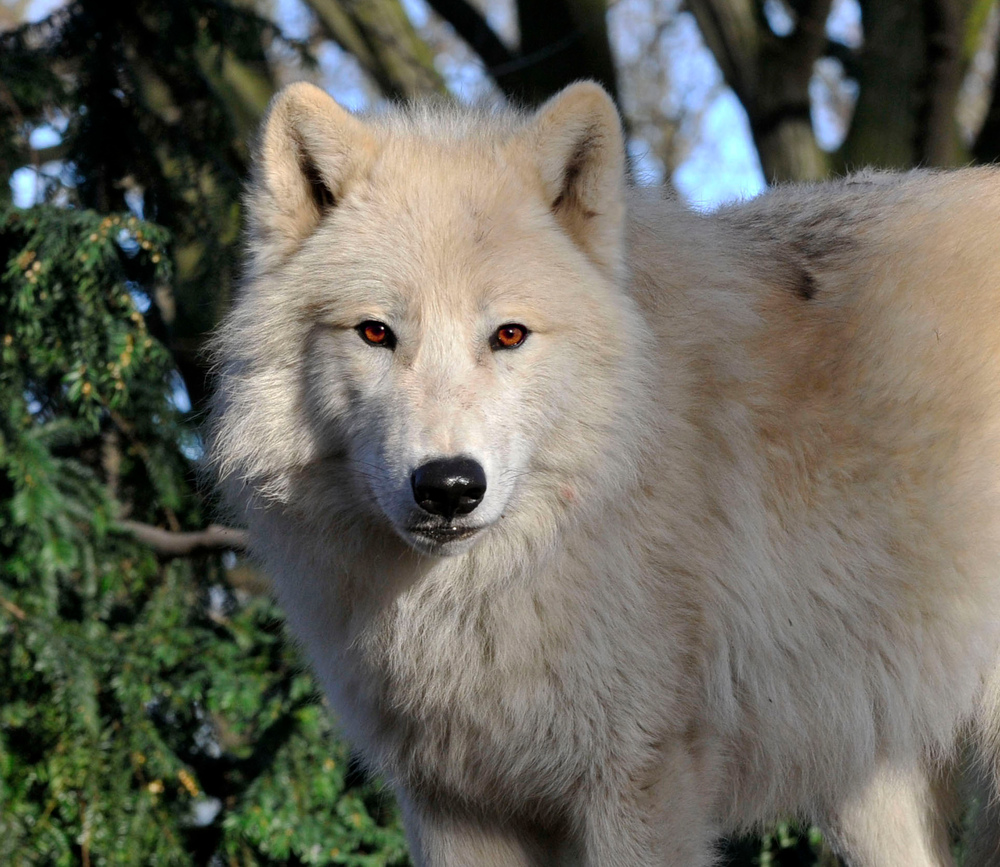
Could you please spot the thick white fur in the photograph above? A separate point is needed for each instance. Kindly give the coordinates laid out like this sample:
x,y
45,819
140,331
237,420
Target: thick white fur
x,y
738,557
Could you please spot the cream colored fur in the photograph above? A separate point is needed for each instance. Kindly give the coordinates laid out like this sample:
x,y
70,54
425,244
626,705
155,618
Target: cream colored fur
x,y
739,553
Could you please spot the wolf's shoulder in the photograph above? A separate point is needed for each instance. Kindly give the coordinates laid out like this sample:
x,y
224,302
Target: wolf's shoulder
x,y
807,234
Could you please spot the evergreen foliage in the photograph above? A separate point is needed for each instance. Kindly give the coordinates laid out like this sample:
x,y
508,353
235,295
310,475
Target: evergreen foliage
x,y
147,714
150,713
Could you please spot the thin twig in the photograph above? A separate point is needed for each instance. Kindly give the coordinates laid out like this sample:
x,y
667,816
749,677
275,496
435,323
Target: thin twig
x,y
16,610
168,543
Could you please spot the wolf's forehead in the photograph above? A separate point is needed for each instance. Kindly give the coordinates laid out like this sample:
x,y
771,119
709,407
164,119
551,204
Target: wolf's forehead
x,y
423,172
445,202
436,223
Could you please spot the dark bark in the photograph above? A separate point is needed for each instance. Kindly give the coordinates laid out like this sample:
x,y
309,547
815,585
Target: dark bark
x,y
770,75
910,71
937,142
986,148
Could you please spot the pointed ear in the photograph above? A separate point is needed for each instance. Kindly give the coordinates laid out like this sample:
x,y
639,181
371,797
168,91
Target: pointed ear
x,y
309,150
580,153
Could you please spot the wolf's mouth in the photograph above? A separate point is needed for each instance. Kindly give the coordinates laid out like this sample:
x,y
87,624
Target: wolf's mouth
x,y
441,534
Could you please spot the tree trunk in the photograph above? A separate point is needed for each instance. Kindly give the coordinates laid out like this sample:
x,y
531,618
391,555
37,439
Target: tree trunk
x,y
909,72
789,152
770,75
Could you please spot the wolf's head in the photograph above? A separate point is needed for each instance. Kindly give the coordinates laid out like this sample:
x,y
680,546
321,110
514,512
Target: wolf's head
x,y
432,333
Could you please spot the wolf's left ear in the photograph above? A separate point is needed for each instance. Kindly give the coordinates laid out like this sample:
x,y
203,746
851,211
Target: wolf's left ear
x,y
580,154
310,149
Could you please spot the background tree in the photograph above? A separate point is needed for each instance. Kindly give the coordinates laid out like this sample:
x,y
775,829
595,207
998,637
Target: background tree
x,y
908,71
151,711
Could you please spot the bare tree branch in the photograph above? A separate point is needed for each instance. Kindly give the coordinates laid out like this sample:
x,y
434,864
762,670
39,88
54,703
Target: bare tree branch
x,y
337,25
380,36
732,34
9,606
404,57
49,154
561,41
471,26
168,544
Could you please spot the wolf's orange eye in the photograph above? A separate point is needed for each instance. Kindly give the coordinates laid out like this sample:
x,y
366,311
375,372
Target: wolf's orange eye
x,y
508,336
377,334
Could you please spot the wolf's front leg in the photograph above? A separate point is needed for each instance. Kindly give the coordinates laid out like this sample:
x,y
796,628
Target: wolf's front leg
x,y
446,839
660,816
898,819
622,840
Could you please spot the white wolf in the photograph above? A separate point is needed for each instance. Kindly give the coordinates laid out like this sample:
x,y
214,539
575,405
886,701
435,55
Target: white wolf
x,y
611,528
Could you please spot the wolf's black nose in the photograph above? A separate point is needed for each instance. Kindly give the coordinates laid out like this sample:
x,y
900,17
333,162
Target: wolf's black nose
x,y
449,486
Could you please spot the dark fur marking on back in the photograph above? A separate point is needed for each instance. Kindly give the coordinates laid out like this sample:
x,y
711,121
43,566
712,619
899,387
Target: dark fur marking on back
x,y
805,285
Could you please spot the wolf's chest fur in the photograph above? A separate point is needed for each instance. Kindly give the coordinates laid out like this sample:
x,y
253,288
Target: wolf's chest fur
x,y
507,692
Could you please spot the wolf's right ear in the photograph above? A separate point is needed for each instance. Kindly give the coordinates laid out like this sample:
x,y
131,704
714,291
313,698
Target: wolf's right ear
x,y
309,150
